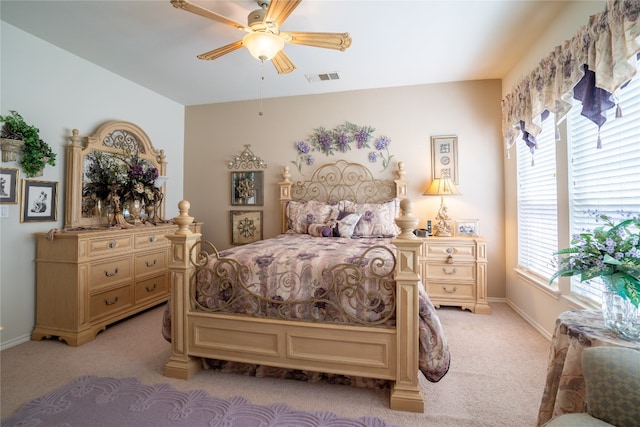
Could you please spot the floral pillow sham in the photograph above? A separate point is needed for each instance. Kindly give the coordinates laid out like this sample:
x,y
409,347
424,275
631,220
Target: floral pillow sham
x,y
302,214
370,219
377,219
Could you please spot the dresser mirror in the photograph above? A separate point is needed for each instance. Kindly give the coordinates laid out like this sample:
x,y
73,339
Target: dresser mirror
x,y
114,143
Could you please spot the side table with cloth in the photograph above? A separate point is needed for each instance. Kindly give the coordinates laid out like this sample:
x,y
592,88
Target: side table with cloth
x,y
564,391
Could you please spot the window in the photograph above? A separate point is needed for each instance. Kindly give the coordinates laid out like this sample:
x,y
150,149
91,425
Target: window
x,y
605,179
538,204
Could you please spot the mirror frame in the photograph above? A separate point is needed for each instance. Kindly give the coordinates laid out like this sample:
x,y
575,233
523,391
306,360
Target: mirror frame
x,y
106,139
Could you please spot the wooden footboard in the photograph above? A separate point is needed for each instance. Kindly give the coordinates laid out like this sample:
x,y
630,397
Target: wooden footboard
x,y
390,354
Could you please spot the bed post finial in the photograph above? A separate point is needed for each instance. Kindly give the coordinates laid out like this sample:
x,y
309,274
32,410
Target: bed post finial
x,y
406,221
183,220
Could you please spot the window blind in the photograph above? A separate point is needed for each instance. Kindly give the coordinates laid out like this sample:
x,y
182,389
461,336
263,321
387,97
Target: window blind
x,y
538,203
605,180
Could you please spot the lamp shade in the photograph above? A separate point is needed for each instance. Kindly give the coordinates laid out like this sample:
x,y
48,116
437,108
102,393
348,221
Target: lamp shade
x,y
442,187
263,45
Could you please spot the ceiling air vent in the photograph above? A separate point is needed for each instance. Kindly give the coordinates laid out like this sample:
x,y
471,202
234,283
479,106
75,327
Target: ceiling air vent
x,y
322,77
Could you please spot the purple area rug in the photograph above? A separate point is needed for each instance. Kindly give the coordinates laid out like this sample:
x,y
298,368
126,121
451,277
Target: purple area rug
x,y
121,402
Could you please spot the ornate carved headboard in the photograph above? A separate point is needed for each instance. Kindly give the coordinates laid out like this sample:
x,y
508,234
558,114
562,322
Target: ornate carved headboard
x,y
113,137
341,180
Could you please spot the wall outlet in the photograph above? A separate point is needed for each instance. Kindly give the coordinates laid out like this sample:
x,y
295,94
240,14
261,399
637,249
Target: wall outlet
x,y
4,211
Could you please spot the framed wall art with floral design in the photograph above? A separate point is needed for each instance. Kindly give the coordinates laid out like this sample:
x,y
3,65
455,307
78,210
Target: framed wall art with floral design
x,y
247,188
444,157
246,227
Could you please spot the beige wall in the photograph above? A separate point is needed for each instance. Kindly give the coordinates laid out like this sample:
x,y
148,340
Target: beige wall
x,y
67,93
534,301
408,115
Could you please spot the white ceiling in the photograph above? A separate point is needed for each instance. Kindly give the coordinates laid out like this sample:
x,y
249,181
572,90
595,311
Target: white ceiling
x,y
395,43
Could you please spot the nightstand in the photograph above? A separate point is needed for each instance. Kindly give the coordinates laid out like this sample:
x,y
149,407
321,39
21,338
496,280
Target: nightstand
x,y
454,272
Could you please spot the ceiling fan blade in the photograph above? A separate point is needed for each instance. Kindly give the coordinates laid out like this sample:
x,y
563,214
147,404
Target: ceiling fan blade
x,y
194,8
217,53
279,10
337,41
282,63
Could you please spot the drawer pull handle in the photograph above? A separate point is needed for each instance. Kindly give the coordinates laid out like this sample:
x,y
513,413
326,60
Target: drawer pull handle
x,y
112,244
450,291
113,301
152,239
151,288
453,271
108,274
151,264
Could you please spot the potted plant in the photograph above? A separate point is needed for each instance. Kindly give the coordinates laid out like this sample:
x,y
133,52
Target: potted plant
x,y
35,152
612,252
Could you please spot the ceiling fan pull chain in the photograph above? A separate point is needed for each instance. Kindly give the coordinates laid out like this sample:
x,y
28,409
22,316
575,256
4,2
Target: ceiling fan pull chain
x,y
261,82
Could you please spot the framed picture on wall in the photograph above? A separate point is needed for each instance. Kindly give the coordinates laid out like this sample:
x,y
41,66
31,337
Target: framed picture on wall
x,y
444,157
39,201
9,185
246,227
247,188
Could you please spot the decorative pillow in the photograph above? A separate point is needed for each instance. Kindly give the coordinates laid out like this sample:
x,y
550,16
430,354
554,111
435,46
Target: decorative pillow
x,y
301,214
345,224
320,230
377,219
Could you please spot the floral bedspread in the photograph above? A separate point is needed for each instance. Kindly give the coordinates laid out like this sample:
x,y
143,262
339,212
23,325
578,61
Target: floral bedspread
x,y
297,276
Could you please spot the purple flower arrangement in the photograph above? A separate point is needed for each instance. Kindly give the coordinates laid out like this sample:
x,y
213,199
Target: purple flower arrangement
x,y
340,139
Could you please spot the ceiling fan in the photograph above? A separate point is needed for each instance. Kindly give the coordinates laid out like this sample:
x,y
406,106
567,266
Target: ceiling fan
x,y
264,40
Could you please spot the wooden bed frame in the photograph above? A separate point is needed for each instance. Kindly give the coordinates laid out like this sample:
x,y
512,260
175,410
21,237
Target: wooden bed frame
x,y
364,351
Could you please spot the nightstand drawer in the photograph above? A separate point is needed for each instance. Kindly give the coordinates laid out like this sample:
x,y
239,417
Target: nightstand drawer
x,y
440,251
150,288
450,291
444,271
153,262
110,272
110,301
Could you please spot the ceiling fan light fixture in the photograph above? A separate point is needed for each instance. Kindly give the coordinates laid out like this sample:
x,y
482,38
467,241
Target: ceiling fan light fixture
x,y
263,45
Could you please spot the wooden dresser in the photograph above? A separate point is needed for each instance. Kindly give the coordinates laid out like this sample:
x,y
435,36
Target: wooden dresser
x,y
454,272
86,280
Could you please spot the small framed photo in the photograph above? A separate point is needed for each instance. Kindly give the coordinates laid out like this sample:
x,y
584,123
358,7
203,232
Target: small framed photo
x,y
467,227
9,185
247,188
246,227
444,157
39,201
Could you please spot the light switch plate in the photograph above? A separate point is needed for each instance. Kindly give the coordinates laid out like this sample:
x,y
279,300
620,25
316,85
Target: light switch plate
x,y
4,211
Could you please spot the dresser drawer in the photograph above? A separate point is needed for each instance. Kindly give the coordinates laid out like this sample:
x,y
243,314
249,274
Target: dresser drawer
x,y
450,291
110,272
152,240
440,251
109,245
150,288
109,302
456,272
150,263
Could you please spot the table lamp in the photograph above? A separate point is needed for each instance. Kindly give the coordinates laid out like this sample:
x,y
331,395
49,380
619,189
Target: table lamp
x,y
442,187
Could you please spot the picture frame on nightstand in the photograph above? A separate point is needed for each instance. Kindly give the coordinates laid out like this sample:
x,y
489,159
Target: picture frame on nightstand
x,y
466,227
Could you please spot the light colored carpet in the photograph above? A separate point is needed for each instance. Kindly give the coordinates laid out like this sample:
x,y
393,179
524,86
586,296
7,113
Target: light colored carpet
x,y
496,378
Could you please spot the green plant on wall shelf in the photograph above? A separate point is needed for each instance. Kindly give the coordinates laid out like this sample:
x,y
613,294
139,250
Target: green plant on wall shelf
x,y
35,152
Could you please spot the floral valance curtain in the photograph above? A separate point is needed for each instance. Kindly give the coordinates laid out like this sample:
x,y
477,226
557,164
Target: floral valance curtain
x,y
589,67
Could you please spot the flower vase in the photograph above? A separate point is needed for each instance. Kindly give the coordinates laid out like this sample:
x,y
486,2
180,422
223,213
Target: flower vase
x,y
616,311
135,208
149,208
